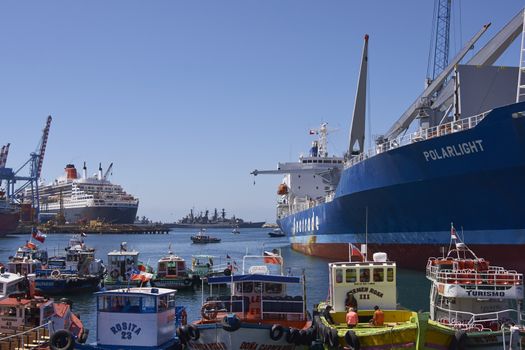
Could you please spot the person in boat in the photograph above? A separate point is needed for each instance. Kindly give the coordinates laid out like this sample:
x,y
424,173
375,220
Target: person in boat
x,y
379,317
351,318
350,301
327,315
24,287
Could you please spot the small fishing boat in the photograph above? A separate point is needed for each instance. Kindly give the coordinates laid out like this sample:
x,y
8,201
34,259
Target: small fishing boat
x,y
205,266
276,232
172,273
261,311
125,269
77,271
137,318
365,286
28,321
236,230
203,238
473,304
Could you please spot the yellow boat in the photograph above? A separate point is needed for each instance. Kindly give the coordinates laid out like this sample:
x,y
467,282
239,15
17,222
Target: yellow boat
x,y
371,283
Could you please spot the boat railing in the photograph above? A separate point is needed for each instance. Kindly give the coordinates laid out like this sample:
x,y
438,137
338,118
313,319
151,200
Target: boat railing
x,y
494,276
420,135
482,321
26,338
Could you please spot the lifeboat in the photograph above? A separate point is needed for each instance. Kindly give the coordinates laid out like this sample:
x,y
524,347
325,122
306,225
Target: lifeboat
x,y
282,189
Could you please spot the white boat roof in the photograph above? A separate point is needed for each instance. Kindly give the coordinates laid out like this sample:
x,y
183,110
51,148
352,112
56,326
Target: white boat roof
x,y
124,253
8,277
138,291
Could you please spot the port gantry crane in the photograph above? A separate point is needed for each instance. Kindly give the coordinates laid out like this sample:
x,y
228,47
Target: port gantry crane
x,y
34,162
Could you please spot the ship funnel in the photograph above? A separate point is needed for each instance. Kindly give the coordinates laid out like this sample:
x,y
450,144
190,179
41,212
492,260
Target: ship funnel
x,y
71,172
100,171
84,171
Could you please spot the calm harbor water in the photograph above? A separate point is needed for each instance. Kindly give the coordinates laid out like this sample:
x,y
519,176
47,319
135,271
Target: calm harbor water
x,y
413,288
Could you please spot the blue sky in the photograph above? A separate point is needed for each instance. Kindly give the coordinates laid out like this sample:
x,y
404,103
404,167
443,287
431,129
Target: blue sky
x,y
186,98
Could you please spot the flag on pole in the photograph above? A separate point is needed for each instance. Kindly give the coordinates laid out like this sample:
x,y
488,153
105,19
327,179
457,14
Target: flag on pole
x,y
453,234
38,235
137,275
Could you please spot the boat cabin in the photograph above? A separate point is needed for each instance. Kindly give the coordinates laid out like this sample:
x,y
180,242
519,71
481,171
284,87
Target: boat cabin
x,y
121,263
136,317
209,265
15,312
258,294
24,266
171,266
369,283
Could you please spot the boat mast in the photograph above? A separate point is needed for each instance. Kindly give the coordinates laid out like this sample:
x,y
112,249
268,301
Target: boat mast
x,y
357,129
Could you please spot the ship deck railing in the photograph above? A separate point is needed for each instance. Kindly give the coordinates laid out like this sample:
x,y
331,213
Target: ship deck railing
x,y
26,337
483,321
420,135
491,279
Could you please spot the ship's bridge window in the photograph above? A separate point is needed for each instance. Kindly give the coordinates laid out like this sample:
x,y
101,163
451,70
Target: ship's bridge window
x,y
339,276
246,287
364,275
273,288
148,304
166,302
350,276
379,274
390,274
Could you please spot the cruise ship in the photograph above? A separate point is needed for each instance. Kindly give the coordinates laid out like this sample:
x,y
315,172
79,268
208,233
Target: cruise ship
x,y
83,198
457,155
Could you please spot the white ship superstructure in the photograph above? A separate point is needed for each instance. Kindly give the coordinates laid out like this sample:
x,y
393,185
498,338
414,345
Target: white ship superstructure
x,y
87,198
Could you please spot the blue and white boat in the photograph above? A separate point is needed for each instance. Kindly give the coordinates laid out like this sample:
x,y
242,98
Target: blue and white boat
x,y
457,154
137,318
77,271
264,309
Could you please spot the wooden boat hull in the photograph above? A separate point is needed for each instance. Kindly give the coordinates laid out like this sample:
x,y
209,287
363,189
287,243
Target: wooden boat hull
x,y
439,336
401,331
247,336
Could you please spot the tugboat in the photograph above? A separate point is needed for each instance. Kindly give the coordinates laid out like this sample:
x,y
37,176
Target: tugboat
x,y
473,303
365,286
137,318
203,238
259,312
78,271
125,269
172,273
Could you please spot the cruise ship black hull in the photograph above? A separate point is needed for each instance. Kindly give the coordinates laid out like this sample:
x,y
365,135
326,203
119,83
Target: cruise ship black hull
x,y
112,215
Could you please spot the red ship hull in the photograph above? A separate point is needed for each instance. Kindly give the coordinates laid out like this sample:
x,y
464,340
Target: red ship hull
x,y
8,222
509,256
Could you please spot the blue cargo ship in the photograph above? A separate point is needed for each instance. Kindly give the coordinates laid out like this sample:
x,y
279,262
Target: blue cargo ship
x,y
456,155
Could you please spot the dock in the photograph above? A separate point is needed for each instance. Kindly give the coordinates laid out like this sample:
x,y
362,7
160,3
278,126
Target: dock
x,y
98,229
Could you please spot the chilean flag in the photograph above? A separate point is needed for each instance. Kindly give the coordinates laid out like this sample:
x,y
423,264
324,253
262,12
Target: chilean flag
x,y
38,235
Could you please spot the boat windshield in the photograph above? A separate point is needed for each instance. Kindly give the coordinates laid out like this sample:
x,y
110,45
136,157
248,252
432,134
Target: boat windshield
x,y
136,303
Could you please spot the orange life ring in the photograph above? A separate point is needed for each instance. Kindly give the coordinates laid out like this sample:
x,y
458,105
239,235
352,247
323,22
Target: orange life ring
x,y
209,310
